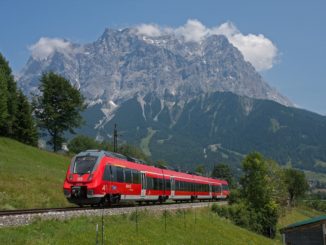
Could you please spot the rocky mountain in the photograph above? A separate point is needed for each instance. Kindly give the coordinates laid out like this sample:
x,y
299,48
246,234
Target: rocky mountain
x,y
181,101
122,63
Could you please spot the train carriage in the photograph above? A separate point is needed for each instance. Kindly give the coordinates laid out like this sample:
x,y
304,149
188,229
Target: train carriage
x,y
97,177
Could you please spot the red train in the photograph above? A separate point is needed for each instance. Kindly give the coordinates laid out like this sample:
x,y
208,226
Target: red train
x,y
101,177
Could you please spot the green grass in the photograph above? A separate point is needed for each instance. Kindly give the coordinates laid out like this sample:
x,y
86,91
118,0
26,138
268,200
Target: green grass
x,y
297,214
121,229
29,177
294,215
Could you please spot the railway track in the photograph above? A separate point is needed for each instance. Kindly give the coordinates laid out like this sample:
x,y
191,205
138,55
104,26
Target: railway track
x,y
38,211
27,216
68,209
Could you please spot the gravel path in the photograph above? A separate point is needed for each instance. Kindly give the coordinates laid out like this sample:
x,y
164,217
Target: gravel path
x,y
25,219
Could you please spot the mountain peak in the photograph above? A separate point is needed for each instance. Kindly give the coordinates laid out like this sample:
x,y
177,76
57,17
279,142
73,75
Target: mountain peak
x,y
124,62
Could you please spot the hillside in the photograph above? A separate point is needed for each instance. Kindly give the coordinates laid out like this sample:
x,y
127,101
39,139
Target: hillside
x,y
29,177
217,127
208,229
121,229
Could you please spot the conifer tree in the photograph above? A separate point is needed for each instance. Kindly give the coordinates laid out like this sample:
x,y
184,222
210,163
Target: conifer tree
x,y
24,128
3,101
11,98
16,119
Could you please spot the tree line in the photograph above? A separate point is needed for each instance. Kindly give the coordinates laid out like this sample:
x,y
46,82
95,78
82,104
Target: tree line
x,y
265,190
16,119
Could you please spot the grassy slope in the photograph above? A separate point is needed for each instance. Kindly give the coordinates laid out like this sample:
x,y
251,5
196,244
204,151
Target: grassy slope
x,y
208,229
29,177
121,229
297,214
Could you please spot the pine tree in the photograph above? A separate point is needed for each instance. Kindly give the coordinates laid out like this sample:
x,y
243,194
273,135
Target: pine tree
x,y
15,111
24,128
3,102
6,75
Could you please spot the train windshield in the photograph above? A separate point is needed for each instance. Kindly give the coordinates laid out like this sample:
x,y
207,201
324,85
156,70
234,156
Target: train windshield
x,y
225,187
84,164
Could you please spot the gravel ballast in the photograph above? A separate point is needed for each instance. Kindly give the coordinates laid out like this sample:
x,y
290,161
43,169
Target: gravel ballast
x,y
25,219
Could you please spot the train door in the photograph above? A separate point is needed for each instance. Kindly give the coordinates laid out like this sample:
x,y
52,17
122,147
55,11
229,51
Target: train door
x,y
172,187
143,185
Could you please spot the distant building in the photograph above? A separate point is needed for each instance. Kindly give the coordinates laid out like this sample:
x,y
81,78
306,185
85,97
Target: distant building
x,y
307,232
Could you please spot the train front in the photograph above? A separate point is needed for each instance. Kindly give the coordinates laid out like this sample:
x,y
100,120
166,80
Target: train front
x,y
82,185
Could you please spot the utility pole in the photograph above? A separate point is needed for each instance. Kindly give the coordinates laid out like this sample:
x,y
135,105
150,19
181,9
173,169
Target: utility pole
x,y
115,138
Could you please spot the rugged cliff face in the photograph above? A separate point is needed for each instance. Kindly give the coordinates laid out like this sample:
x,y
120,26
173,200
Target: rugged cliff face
x,y
122,63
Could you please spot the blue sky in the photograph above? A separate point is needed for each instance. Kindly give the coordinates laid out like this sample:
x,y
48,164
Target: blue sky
x,y
296,28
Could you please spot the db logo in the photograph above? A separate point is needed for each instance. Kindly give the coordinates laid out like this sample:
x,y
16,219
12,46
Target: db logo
x,y
80,178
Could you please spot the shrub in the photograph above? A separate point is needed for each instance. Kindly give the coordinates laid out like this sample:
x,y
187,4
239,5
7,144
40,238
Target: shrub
x,y
234,196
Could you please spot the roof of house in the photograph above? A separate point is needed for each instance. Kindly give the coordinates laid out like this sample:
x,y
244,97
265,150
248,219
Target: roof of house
x,y
304,222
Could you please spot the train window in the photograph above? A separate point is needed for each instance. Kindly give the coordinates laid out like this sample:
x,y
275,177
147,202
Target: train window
x,y
225,187
218,188
84,164
167,184
177,185
128,176
113,173
189,186
150,184
135,177
158,183
106,175
120,175
183,185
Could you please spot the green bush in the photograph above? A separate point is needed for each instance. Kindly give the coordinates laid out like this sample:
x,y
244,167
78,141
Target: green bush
x,y
222,211
234,196
319,205
82,143
239,215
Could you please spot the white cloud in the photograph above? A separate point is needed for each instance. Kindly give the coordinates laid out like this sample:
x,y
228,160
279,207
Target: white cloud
x,y
46,46
256,48
149,30
193,30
